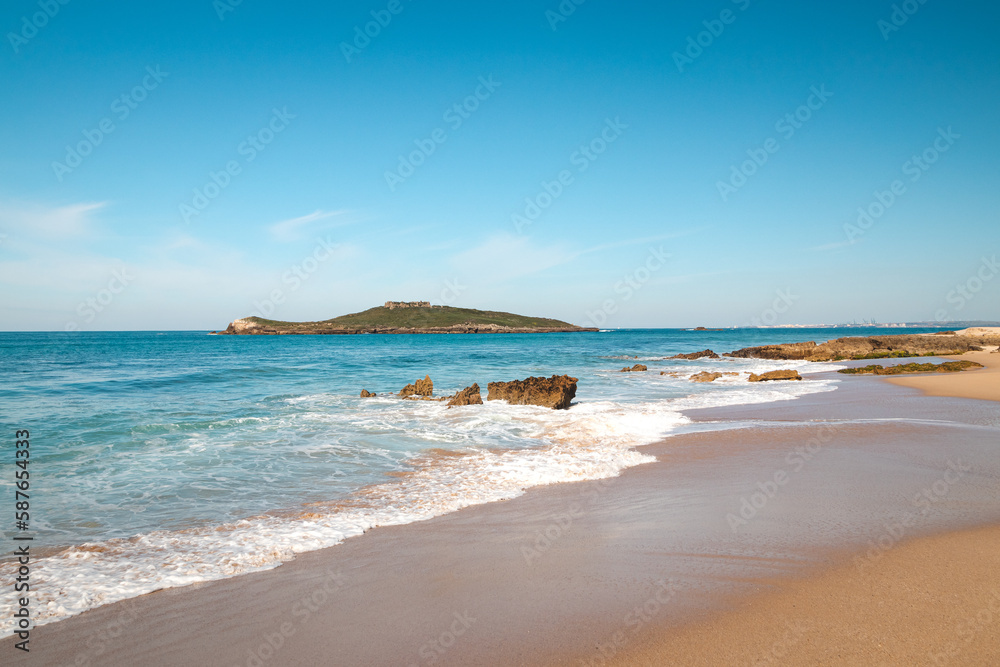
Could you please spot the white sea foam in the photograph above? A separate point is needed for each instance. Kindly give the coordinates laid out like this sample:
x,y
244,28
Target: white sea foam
x,y
594,439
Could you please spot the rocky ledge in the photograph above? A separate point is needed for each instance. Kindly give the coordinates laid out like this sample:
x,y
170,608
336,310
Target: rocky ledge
x,y
871,347
900,369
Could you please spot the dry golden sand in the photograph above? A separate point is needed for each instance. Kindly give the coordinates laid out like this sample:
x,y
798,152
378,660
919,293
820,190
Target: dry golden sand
x,y
932,601
983,384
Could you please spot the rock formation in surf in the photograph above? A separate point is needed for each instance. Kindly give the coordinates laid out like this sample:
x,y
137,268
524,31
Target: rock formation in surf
x,y
696,355
775,375
423,387
468,396
555,392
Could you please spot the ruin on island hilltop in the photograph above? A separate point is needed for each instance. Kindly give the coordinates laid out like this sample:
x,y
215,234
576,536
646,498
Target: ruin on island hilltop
x,y
393,305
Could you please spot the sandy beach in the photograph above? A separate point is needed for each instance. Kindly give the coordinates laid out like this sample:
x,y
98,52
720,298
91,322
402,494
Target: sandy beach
x,y
821,505
982,384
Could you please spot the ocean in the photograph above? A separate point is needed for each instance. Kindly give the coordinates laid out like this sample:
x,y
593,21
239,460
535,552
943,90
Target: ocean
x,y
161,459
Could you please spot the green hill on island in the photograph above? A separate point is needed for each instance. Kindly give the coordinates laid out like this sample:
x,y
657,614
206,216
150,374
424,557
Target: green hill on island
x,y
408,317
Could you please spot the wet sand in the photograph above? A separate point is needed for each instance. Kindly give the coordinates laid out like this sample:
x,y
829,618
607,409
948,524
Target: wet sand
x,y
725,528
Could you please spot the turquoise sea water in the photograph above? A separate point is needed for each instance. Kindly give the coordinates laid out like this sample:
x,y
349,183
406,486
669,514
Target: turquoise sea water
x,y
161,459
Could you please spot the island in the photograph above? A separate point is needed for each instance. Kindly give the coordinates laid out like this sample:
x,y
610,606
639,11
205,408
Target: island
x,y
407,317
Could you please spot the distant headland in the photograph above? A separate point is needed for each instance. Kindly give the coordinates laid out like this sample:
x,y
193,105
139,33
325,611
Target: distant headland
x,y
407,317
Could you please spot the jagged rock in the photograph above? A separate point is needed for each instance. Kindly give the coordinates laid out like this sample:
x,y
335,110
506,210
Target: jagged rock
x,y
423,387
871,347
775,375
696,355
673,375
705,376
468,396
635,369
367,394
555,392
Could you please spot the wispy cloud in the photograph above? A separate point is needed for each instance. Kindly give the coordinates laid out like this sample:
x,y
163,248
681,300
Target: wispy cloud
x,y
50,222
293,229
517,255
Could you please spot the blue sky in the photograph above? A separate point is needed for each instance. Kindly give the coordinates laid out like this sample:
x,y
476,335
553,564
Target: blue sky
x,y
179,165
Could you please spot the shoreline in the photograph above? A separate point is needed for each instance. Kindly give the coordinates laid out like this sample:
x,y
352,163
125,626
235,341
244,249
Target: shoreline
x,y
982,384
540,578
